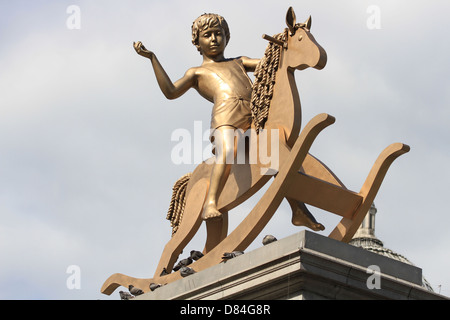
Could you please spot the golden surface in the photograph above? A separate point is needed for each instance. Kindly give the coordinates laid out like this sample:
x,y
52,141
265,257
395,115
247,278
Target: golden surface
x,y
300,178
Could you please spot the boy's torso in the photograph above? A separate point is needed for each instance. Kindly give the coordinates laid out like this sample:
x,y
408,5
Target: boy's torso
x,y
220,80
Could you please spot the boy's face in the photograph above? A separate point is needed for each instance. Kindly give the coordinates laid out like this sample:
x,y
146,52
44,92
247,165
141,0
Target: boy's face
x,y
212,42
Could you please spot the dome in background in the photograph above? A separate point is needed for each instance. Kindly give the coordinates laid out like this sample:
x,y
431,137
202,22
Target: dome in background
x,y
365,238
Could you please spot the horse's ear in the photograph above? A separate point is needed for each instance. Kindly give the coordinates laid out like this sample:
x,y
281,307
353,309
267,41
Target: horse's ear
x,y
290,20
308,23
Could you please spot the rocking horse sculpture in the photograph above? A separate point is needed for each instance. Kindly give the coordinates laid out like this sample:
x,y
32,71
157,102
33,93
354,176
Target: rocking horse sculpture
x,y
300,177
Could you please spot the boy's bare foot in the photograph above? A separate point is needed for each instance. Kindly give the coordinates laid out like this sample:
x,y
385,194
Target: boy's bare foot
x,y
302,217
210,212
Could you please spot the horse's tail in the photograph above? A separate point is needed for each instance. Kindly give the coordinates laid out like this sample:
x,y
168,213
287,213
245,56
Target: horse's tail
x,y
178,201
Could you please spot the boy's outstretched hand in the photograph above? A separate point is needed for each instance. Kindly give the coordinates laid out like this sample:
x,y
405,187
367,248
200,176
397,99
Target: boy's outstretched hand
x,y
141,50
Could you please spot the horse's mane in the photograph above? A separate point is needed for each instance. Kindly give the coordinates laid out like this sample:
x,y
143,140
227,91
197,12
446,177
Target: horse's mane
x,y
262,90
178,201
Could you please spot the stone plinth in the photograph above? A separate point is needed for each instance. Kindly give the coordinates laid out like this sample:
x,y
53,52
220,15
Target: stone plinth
x,y
304,266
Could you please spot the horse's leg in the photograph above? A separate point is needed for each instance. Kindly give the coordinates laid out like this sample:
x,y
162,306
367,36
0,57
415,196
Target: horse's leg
x,y
346,229
188,227
216,231
259,216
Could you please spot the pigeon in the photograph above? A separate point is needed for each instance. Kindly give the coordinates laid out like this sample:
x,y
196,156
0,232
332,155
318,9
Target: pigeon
x,y
268,239
125,295
231,255
164,272
135,291
183,263
186,271
195,255
154,286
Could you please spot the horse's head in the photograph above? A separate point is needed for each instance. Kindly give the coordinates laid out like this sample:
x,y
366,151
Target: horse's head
x,y
301,49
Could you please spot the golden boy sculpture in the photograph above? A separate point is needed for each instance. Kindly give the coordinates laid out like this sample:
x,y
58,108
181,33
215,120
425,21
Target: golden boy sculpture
x,y
301,178
222,81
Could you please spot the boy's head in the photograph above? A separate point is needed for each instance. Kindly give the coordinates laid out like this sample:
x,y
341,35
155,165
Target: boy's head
x,y
206,21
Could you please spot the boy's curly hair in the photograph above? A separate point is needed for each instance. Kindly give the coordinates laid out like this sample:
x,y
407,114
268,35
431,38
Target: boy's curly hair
x,y
205,21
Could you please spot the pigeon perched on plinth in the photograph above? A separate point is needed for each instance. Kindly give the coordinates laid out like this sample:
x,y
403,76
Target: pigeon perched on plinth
x,y
195,255
154,286
231,255
268,239
135,291
186,271
183,263
164,272
125,295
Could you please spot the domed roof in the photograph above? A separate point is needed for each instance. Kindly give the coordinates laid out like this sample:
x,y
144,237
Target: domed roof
x,y
365,238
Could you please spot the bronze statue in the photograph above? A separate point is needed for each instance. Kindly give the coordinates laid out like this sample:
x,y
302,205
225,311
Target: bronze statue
x,y
222,81
272,102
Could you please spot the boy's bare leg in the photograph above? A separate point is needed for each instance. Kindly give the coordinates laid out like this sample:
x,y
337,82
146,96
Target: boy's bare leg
x,y
224,139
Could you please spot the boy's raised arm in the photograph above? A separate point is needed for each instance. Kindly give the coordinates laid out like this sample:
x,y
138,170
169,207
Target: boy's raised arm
x,y
169,89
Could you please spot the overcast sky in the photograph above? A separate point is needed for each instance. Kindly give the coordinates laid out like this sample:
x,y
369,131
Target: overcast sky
x,y
85,133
